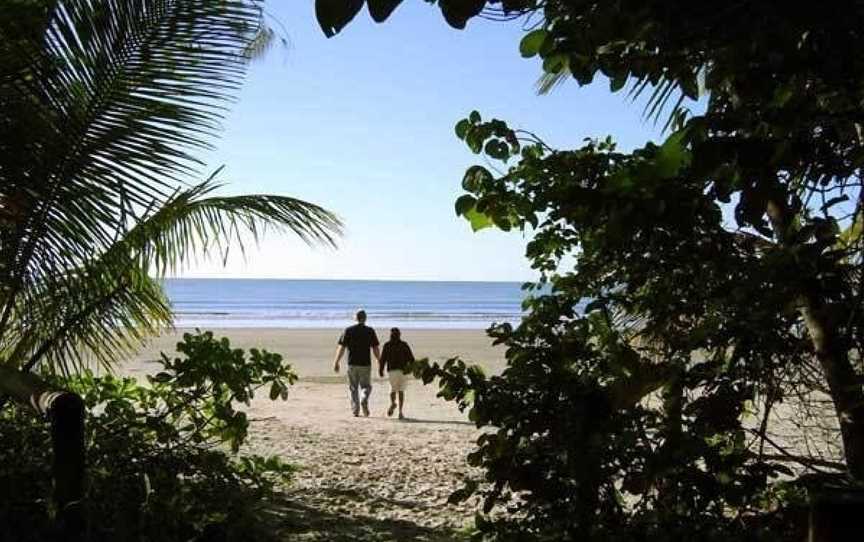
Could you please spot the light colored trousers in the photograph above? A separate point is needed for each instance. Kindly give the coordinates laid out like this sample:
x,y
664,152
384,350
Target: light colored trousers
x,y
359,385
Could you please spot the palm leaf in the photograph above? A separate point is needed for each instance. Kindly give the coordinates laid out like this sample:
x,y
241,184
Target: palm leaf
x,y
107,309
657,105
104,105
196,222
89,315
261,43
102,119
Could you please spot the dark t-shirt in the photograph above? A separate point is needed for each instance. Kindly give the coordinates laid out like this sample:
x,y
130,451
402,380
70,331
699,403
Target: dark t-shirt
x,y
396,355
359,339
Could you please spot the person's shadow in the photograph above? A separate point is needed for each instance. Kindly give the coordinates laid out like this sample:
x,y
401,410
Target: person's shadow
x,y
294,518
437,422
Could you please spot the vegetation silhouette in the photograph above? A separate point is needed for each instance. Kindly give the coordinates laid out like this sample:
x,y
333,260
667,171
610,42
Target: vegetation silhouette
x,y
715,377
156,452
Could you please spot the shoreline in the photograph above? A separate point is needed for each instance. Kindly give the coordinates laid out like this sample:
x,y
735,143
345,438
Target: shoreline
x,y
409,281
379,329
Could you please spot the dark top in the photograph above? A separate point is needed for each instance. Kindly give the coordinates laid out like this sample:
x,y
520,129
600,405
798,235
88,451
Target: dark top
x,y
396,356
359,339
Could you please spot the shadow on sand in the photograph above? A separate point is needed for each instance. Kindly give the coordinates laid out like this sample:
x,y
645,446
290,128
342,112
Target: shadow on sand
x,y
437,422
295,520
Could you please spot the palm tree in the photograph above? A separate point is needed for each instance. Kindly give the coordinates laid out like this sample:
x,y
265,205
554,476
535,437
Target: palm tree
x,y
103,105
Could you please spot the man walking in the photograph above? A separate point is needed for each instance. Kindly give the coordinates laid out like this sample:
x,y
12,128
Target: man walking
x,y
359,340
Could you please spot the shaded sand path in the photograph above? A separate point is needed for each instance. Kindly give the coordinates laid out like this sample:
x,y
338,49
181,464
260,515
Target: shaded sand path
x,y
375,478
360,479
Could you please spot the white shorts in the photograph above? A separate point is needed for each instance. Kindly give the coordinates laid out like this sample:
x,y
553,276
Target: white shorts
x,y
398,380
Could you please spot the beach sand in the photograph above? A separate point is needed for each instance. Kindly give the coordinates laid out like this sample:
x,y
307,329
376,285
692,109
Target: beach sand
x,y
375,478
310,351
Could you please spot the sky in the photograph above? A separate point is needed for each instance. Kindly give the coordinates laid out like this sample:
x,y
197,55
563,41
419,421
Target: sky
x,y
362,124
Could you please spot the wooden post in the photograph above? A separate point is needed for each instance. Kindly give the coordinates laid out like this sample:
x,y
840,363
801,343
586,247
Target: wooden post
x,y
67,435
836,514
65,411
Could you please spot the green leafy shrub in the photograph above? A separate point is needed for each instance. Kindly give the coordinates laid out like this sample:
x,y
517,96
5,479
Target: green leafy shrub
x,y
162,458
631,415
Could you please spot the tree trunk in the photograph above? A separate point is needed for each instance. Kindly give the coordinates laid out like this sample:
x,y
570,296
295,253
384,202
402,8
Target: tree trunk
x,y
835,515
65,411
843,384
673,407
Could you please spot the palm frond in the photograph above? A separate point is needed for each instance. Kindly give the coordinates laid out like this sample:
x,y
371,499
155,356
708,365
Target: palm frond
x,y
549,81
656,107
103,118
196,222
261,43
101,115
106,309
91,315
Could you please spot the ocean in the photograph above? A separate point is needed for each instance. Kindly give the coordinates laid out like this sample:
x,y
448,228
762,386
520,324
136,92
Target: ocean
x,y
332,303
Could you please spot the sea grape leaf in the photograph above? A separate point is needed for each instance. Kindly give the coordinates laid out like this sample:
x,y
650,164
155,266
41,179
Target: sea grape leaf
x,y
478,220
334,15
531,43
380,10
464,204
671,156
457,12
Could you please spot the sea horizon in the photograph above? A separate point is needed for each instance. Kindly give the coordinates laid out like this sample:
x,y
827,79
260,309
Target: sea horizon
x,y
210,302
470,281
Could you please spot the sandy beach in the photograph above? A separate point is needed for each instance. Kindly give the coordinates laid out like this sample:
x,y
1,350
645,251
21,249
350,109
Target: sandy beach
x,y
375,478
310,351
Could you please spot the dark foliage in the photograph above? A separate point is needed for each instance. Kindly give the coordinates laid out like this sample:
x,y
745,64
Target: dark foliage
x,y
162,458
694,343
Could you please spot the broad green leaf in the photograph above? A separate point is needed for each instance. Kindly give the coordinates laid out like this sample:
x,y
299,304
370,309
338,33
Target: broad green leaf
x,y
474,140
671,156
555,64
380,10
458,12
502,222
333,15
618,82
478,220
462,128
464,204
475,177
531,43
497,150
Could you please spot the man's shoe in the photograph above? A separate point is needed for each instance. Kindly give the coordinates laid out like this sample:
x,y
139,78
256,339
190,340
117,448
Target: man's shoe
x,y
356,413
391,410
401,417
366,410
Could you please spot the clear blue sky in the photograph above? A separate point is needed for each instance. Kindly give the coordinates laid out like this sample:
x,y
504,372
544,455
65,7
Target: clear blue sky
x,y
363,124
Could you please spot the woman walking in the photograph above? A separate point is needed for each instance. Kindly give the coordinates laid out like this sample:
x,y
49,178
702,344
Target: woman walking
x,y
396,359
